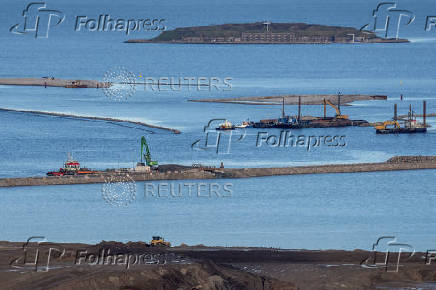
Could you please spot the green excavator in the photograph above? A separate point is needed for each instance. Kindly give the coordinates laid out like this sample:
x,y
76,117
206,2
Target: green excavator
x,y
153,164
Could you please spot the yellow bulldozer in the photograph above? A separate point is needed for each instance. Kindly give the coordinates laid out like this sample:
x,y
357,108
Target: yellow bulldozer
x,y
159,241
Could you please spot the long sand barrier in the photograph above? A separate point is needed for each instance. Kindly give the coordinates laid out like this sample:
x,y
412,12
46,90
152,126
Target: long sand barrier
x,y
175,131
393,164
53,82
292,99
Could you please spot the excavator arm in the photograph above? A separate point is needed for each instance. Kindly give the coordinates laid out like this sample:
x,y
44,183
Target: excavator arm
x,y
338,112
147,154
386,124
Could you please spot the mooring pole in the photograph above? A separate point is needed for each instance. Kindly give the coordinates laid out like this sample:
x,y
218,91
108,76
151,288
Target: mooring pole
x,y
299,108
424,113
283,108
395,112
410,112
325,109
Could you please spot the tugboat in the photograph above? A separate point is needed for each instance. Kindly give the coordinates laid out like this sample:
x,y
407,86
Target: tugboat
x,y
71,167
244,124
226,126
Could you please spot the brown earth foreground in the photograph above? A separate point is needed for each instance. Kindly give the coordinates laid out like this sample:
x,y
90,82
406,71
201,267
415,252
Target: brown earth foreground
x,y
135,265
178,172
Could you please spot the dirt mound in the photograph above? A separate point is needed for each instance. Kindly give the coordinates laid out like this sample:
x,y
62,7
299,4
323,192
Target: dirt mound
x,y
205,276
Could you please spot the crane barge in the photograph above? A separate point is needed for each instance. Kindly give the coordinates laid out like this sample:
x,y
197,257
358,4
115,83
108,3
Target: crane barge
x,y
299,122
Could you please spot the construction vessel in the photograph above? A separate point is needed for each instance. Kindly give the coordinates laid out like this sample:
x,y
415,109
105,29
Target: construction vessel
x,y
225,126
410,125
299,122
71,167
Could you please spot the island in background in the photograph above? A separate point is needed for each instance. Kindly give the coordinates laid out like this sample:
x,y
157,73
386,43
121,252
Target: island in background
x,y
267,32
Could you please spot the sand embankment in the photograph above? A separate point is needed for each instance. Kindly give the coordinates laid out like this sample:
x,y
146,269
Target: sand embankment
x,y
53,82
404,117
393,164
175,131
293,99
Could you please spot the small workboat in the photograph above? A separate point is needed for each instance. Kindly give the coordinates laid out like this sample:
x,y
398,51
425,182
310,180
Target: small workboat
x,y
226,126
244,124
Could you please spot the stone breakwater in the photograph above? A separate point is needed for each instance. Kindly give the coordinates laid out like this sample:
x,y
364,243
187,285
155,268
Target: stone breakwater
x,y
63,115
393,164
105,176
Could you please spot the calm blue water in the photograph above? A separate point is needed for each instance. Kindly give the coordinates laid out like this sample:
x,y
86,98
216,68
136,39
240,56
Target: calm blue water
x,y
325,211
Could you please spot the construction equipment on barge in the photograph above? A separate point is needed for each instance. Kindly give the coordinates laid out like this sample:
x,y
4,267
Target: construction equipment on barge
x,y
299,122
410,125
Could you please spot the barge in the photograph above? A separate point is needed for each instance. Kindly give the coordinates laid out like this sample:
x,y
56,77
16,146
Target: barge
x,y
409,126
299,122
